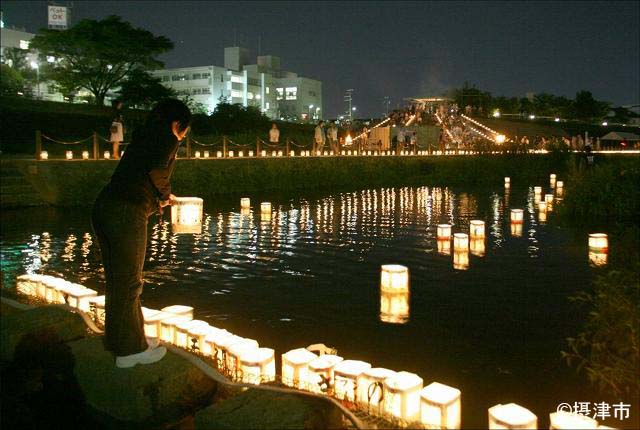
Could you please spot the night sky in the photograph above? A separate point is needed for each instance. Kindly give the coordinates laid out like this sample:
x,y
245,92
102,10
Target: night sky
x,y
399,49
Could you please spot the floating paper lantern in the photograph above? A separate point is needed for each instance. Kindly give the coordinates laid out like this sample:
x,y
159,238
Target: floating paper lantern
x,y
197,154
69,155
295,367
219,154
552,180
444,231
511,416
598,241
516,229
346,378
394,277
477,247
460,259
460,241
402,396
44,155
186,215
258,365
371,387
537,190
321,373
265,207
394,306
548,198
444,246
107,155
507,182
78,297
235,350
598,258
265,217
566,420
181,333
206,154
250,153
559,193
153,322
440,406
517,215
245,211
85,155
476,229
240,154
168,327
542,206
245,202
560,184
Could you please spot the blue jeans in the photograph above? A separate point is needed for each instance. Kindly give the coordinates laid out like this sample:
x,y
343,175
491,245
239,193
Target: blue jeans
x,y
121,230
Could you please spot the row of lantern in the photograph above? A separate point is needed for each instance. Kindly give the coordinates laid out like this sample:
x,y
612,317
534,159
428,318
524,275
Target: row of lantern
x,y
44,155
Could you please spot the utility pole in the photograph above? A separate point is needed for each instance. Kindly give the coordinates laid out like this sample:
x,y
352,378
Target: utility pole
x,y
348,98
387,102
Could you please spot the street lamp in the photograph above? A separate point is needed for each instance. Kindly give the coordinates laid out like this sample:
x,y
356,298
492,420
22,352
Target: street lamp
x,y
34,65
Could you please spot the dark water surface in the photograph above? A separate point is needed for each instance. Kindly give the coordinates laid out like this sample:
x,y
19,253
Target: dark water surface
x,y
311,275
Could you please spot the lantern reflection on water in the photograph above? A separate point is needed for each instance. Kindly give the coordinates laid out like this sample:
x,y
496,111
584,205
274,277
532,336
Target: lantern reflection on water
x,y
548,198
265,207
516,229
477,248
402,396
371,387
444,231
507,182
186,215
460,259
440,406
567,420
476,229
444,246
537,190
295,367
511,416
321,372
394,305
197,338
346,375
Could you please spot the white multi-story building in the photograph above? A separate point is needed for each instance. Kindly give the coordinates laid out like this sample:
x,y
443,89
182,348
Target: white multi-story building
x,y
277,93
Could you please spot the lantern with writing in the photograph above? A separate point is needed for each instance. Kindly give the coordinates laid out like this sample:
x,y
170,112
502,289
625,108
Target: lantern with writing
x,y
394,277
346,378
245,203
598,249
186,215
197,338
440,406
234,351
402,396
69,155
321,373
371,387
212,341
181,334
476,229
566,420
511,416
444,231
230,154
295,367
240,154
258,365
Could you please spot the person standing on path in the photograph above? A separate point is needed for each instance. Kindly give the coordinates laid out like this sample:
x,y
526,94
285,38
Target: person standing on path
x,y
117,128
319,137
332,132
139,187
274,134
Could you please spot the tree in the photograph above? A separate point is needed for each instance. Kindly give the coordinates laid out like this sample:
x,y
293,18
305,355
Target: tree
x,y
98,55
142,90
585,107
11,81
235,118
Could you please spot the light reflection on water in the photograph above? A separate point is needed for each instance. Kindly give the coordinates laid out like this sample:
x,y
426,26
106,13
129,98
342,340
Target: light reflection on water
x,y
309,272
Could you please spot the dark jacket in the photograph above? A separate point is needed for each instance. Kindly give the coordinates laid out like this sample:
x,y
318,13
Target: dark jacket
x,y
144,172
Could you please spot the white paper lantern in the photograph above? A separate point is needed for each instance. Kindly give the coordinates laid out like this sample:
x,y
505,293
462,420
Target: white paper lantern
x,y
343,153
245,202
107,155
517,215
566,420
559,184
233,353
44,155
321,373
542,206
394,306
186,215
460,259
476,229
346,378
212,342
168,327
292,153
240,154
197,336
206,154
258,365
152,323
295,367
402,396
179,310
598,241
477,247
96,309
460,242
197,154
230,154
250,153
181,332
280,153
511,416
444,246
548,198
69,155
219,154
440,406
444,231
552,180
537,190
85,155
265,207
507,182
78,297
371,388
394,277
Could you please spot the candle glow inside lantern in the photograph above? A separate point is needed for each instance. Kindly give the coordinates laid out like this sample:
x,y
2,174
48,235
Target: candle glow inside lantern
x,y
560,184
265,207
371,387
235,351
440,406
168,327
250,153
598,241
197,154
245,202
230,154
346,378
477,247
212,342
567,420
186,215
476,229
542,206
444,246
258,365
460,242
107,155
321,373
548,198
78,297
444,231
240,154
181,333
27,285
552,180
44,155
292,153
517,216
295,367
69,155
511,416
402,396
461,259
394,306
206,154
197,336
152,323
263,153
85,155
219,154
394,277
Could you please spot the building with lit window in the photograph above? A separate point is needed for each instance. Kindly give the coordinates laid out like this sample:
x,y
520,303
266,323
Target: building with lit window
x,y
277,93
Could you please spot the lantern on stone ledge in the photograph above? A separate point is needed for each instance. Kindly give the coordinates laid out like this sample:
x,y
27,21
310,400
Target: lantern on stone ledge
x,y
96,309
295,367
78,297
218,154
181,337
213,340
476,229
168,327
371,387
44,155
69,155
235,351
197,338
346,378
511,416
440,406
186,215
402,396
444,231
197,154
321,373
566,420
206,154
152,323
85,155
107,155
258,365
